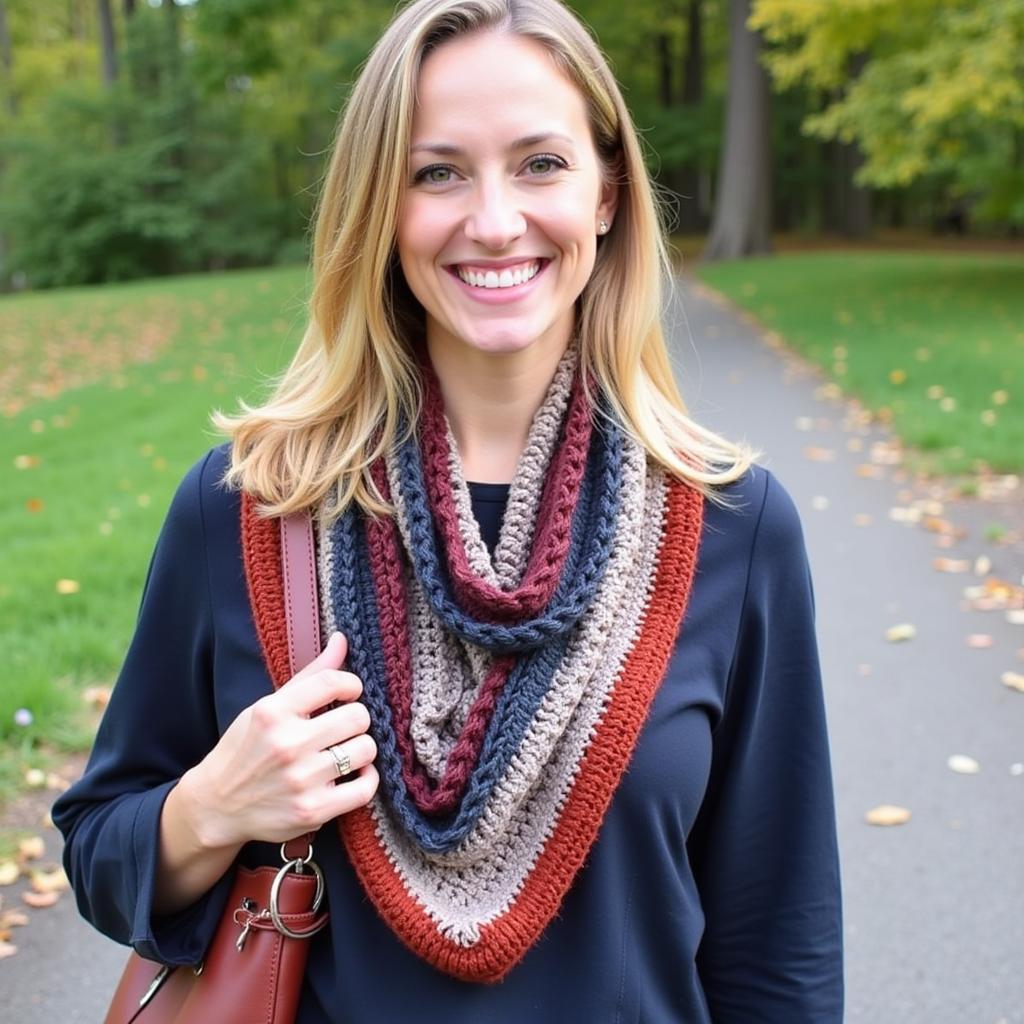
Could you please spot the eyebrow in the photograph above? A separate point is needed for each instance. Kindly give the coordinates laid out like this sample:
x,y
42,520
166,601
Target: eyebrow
x,y
447,149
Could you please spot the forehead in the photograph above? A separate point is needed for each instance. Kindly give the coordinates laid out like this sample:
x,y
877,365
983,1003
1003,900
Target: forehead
x,y
491,84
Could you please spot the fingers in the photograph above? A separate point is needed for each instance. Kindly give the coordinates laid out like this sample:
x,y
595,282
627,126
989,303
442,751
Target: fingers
x,y
321,682
336,725
354,792
332,656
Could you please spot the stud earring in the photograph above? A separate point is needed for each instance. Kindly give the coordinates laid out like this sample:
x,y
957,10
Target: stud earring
x,y
602,227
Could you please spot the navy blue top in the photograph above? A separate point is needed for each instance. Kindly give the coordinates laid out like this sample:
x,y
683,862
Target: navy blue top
x,y
712,891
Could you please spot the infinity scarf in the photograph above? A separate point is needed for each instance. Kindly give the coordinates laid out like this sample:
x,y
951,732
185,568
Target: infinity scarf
x,y
506,693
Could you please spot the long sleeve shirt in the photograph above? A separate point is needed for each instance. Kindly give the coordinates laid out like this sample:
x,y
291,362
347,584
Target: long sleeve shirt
x,y
711,893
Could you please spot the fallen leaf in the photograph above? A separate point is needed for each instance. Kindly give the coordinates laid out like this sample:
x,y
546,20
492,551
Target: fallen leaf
x,y
1000,397
804,423
905,515
97,696
31,848
49,881
1017,768
963,765
40,900
26,461
865,469
9,872
13,919
1014,680
904,631
887,814
982,565
934,524
819,503
897,376
1015,616
7,949
980,640
34,505
862,519
816,454
56,783
68,586
35,778
947,404
950,564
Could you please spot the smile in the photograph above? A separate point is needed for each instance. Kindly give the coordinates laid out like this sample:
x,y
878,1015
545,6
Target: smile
x,y
507,277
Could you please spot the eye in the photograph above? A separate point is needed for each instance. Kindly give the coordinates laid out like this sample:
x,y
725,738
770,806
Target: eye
x,y
434,174
545,163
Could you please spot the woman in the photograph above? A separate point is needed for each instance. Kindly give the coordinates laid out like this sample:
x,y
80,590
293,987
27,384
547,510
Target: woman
x,y
582,710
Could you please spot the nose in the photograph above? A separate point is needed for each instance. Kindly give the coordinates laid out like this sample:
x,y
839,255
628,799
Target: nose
x,y
495,218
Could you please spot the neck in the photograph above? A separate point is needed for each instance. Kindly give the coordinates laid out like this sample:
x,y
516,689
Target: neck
x,y
490,401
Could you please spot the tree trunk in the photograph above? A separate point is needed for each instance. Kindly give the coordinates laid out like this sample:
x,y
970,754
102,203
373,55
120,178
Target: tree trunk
x,y
742,220
692,211
107,42
7,61
664,48
129,8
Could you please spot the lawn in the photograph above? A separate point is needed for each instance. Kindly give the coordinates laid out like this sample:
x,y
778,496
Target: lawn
x,y
933,342
105,396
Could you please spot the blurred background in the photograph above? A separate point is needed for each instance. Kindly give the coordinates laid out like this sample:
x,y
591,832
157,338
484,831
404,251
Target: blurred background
x,y
844,188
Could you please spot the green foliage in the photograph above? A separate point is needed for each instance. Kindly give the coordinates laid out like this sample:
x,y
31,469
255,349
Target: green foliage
x,y
940,92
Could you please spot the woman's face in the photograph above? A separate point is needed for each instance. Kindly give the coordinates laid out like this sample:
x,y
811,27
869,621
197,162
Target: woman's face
x,y
498,227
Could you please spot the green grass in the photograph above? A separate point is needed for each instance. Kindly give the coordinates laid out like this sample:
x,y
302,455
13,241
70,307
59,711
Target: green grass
x,y
103,458
901,332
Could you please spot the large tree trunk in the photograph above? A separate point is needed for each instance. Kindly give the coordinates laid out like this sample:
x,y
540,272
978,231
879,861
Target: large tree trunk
x,y
742,218
693,211
107,42
7,61
664,49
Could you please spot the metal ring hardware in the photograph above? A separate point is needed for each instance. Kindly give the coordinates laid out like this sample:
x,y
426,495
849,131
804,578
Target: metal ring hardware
x,y
275,891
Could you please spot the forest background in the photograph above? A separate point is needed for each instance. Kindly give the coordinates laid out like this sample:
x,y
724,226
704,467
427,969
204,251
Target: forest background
x,y
151,137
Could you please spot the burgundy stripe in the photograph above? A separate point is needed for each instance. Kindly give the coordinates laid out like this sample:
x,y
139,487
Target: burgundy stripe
x,y
558,502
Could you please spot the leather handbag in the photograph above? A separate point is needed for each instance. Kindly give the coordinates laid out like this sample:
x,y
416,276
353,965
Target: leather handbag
x,y
253,969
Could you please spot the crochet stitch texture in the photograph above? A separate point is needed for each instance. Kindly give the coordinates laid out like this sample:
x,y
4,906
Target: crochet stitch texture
x,y
507,693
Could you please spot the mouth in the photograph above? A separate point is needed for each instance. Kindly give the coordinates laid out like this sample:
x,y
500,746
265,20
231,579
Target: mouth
x,y
498,278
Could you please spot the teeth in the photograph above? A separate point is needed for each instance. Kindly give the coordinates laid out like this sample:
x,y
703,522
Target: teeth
x,y
506,279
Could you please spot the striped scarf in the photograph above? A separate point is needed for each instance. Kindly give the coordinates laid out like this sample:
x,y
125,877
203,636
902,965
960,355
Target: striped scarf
x,y
507,692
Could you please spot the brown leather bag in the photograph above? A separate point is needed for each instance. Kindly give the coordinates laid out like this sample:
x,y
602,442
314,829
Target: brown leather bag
x,y
253,969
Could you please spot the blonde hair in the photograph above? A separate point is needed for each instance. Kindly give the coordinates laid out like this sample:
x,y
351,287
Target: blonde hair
x,y
353,381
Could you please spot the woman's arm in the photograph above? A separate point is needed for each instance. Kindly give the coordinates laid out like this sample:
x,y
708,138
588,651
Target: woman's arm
x,y
166,801
764,845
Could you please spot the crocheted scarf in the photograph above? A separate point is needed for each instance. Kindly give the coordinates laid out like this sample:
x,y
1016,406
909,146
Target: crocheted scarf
x,y
506,692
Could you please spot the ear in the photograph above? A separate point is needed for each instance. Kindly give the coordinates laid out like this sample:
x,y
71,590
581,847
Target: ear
x,y
608,201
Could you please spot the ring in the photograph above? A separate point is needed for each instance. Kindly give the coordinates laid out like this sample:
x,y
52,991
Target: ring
x,y
341,759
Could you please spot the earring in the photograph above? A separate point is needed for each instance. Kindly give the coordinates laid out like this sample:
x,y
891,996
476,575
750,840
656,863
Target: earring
x,y
602,227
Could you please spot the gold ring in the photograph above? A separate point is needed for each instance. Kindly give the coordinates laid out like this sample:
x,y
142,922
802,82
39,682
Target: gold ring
x,y
341,759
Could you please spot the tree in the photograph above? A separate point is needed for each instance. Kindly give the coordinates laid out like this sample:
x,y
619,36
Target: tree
x,y
108,42
741,225
940,95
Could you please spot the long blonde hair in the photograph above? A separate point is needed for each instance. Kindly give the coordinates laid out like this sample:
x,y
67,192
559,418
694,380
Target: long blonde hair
x,y
353,381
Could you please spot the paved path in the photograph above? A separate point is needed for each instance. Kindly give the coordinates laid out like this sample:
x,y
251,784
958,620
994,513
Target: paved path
x,y
934,908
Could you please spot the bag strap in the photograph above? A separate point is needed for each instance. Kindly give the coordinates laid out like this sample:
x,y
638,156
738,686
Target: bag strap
x,y
302,619
301,607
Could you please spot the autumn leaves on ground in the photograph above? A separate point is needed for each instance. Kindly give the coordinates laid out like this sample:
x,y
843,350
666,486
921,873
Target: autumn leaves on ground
x,y
104,402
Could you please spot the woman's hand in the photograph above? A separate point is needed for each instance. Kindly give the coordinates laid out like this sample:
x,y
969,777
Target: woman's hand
x,y
271,776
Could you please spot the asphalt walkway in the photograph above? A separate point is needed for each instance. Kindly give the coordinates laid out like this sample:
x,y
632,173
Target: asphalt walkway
x,y
934,908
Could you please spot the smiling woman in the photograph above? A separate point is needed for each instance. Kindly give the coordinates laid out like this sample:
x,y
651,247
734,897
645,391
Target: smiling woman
x,y
566,731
